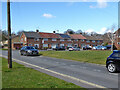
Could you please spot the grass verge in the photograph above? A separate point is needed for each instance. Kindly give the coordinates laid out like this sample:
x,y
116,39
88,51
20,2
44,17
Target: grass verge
x,y
22,77
97,57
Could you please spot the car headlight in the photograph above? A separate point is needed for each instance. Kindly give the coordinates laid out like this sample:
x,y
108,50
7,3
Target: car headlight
x,y
29,51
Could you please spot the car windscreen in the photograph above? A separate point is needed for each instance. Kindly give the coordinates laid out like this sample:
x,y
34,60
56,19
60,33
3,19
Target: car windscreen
x,y
30,48
116,55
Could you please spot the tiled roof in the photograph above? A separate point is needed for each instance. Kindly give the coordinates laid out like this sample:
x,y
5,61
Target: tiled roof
x,y
32,34
77,36
93,38
48,35
64,36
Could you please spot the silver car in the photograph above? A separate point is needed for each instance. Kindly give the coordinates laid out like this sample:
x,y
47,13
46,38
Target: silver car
x,y
99,48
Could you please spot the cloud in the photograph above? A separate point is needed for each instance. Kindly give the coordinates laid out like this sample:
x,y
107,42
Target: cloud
x,y
100,4
46,15
102,31
89,30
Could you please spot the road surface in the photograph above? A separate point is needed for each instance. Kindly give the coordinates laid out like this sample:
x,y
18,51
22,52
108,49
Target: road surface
x,y
82,74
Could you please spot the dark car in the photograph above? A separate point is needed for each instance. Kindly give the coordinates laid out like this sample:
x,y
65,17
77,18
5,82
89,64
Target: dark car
x,y
29,50
113,62
60,48
87,47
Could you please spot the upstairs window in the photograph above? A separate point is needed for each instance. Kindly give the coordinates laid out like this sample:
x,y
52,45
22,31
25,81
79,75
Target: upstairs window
x,y
87,41
45,39
53,39
25,38
76,40
69,40
36,39
98,41
61,39
82,40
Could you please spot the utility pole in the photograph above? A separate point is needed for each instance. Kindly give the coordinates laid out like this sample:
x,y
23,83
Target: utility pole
x,y
9,36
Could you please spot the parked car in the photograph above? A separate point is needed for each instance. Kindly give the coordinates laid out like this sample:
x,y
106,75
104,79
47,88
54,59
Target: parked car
x,y
60,48
87,47
113,62
76,49
70,48
99,48
29,50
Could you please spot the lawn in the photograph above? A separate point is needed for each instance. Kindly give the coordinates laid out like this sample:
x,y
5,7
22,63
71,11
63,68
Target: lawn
x,y
3,49
97,57
23,77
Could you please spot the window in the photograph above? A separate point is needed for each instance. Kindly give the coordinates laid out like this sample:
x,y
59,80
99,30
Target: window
x,y
93,41
69,40
45,39
21,39
98,41
61,39
29,44
36,39
87,41
76,40
36,45
45,45
25,38
116,55
118,43
53,39
61,45
82,40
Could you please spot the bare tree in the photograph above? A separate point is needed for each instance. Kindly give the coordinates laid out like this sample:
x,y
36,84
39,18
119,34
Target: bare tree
x,y
111,35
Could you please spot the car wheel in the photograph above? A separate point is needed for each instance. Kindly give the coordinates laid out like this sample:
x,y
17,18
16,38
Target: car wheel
x,y
112,68
21,53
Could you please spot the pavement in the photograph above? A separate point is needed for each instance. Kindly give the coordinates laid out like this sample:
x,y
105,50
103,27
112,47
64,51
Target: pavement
x,y
82,74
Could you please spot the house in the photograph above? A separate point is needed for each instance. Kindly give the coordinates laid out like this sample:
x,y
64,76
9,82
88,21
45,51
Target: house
x,y
93,41
42,40
16,44
117,39
31,39
78,40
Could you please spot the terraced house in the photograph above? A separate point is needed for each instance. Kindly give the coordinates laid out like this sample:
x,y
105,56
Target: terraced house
x,y
44,40
117,39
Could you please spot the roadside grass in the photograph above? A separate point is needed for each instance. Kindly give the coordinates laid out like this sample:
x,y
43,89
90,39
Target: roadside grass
x,y
97,57
3,49
23,77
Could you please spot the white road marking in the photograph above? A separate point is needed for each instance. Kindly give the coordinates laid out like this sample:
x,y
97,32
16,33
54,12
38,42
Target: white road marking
x,y
113,73
96,70
64,75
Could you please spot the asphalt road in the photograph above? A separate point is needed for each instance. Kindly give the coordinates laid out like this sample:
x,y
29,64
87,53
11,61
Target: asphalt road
x,y
92,73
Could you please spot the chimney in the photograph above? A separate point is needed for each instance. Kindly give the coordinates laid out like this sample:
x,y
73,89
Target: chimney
x,y
37,30
54,32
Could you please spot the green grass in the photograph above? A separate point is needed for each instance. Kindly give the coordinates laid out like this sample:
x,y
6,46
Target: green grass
x,y
3,49
97,57
22,77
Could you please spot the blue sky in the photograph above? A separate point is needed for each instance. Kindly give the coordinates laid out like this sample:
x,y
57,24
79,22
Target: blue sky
x,y
50,16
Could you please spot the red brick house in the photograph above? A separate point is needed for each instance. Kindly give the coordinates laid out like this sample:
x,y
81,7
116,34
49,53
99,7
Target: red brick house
x,y
117,39
93,41
44,40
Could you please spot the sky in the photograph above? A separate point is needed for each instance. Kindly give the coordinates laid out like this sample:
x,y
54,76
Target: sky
x,y
60,16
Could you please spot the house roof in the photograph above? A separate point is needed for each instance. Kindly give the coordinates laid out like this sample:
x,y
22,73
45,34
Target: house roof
x,y
32,34
16,38
93,38
64,36
48,35
77,36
